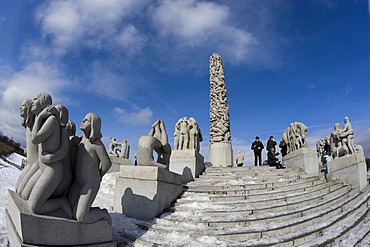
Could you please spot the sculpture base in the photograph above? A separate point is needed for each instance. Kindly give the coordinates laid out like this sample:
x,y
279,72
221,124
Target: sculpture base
x,y
143,192
220,154
28,229
187,163
117,163
350,168
304,158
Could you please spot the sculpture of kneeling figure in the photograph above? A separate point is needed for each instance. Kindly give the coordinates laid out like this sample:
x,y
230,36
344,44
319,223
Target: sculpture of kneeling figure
x,y
90,154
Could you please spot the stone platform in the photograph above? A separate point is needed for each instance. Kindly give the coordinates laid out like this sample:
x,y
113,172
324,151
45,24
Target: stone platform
x,y
305,159
188,163
350,168
28,229
117,163
143,192
220,154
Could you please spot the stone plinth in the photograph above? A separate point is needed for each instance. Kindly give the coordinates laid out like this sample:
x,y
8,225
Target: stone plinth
x,y
143,192
28,229
304,158
220,154
118,162
350,168
188,163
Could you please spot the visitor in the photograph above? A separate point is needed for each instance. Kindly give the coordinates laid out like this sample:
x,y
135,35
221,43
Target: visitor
x,y
239,159
272,160
327,148
257,147
271,143
283,148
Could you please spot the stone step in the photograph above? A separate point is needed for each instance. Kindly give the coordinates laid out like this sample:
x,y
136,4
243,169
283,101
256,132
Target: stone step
x,y
254,216
247,208
247,169
287,232
237,184
263,198
245,189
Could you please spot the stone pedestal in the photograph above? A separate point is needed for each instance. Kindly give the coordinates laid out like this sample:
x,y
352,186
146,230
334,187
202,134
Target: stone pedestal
x,y
117,163
304,158
28,229
143,192
220,154
188,163
350,168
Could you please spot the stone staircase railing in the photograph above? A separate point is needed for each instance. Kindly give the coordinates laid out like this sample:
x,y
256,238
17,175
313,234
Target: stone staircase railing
x,y
263,206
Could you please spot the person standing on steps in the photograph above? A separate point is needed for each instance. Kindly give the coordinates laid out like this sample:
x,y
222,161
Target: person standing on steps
x,y
239,159
257,147
271,143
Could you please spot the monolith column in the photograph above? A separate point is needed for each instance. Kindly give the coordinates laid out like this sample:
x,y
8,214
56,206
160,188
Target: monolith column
x,y
220,149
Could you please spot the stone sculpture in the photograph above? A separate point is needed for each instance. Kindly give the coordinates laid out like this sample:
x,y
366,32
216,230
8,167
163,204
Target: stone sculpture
x,y
124,152
341,139
220,150
28,119
156,140
219,107
49,136
187,134
295,136
60,164
91,154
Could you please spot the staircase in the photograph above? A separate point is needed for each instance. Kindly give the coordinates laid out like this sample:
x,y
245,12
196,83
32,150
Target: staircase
x,y
263,206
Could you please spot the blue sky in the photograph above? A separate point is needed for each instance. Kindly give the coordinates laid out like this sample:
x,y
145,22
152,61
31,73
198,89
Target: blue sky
x,y
135,61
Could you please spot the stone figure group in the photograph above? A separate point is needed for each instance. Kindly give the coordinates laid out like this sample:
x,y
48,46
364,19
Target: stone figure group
x,y
187,134
114,150
295,136
219,106
341,139
63,172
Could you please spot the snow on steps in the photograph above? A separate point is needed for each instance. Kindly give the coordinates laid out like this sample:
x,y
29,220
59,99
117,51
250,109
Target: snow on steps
x,y
282,208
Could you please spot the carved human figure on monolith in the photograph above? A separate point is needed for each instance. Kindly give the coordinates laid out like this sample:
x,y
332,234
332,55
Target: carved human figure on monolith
x,y
156,140
220,150
92,163
219,108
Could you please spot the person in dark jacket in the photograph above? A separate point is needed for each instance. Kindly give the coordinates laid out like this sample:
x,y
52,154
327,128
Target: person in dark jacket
x,y
283,148
272,160
271,143
257,147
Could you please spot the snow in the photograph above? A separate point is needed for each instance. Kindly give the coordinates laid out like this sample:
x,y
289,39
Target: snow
x,y
126,230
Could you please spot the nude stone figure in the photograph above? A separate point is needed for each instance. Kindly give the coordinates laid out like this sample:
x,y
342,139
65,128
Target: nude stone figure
x,y
195,135
346,135
157,140
335,142
46,133
28,119
88,174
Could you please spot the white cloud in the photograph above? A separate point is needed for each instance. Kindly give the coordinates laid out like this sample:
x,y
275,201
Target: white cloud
x,y
368,3
91,23
189,18
139,116
131,40
25,84
201,24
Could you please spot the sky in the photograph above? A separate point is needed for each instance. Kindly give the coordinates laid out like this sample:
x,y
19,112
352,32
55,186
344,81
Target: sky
x,y
135,61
